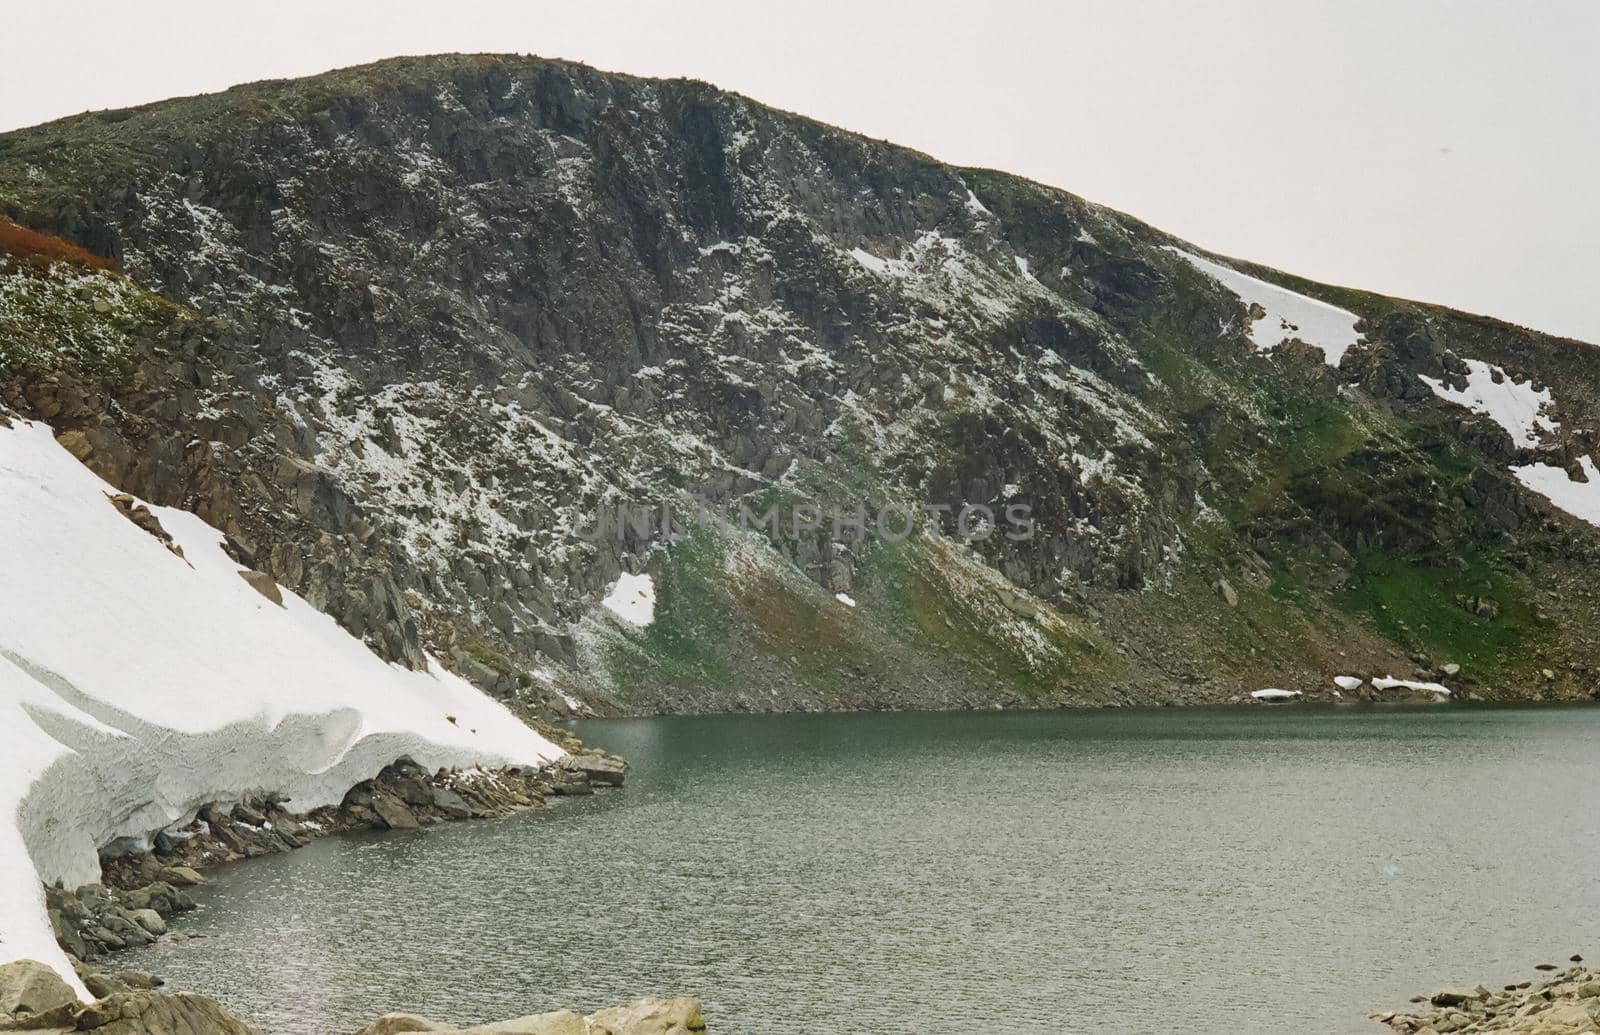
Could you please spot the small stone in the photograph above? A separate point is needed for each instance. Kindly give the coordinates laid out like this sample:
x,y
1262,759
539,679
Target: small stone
x,y
1455,996
139,980
264,585
1450,668
182,876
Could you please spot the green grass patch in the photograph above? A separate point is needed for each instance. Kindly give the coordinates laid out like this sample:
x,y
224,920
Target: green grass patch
x,y
1436,610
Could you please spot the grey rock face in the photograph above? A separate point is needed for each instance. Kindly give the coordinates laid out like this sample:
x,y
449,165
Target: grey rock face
x,y
427,320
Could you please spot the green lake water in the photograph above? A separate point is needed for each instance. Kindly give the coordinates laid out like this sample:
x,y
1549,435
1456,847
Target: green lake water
x,y
1225,870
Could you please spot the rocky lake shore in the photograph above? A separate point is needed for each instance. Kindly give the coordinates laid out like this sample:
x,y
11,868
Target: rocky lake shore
x,y
34,998
1566,1002
145,886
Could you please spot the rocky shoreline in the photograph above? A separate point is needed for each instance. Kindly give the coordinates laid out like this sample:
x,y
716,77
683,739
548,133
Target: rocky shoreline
x,y
144,886
1566,1002
34,998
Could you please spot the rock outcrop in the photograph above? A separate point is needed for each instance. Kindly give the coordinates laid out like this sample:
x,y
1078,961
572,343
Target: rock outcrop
x,y
679,1016
34,998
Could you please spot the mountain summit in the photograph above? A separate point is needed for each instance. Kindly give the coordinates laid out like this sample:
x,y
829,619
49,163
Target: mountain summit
x,y
415,335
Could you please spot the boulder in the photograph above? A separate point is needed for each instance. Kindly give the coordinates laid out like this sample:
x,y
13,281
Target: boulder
x,y
397,1023
451,803
561,1022
1456,996
102,985
1568,1016
140,981
150,920
643,1017
34,995
182,876
680,1016
394,813
602,769
154,1013
264,585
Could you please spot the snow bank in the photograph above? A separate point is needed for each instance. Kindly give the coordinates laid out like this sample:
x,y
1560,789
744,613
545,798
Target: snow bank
x,y
136,686
1580,499
1288,314
1389,683
1272,693
633,599
846,599
1348,682
1492,392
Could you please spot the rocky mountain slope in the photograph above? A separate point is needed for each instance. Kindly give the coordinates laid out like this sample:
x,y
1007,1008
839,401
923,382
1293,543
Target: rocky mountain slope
x,y
402,332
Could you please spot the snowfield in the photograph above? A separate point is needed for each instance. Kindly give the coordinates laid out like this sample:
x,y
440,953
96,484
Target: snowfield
x,y
1288,315
137,686
1580,499
1493,393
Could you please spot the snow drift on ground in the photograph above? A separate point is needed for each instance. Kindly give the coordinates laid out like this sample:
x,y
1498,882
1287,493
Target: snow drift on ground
x,y
136,686
1515,407
1389,683
633,599
1580,499
1288,314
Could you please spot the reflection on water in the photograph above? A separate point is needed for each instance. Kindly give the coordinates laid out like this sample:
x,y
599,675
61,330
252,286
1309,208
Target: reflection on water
x,y
1216,870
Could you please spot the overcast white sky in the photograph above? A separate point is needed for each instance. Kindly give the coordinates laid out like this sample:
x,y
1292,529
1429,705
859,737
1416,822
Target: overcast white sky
x,y
1446,150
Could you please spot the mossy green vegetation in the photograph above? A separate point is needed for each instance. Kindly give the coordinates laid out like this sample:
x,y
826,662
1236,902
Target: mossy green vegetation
x,y
60,318
1476,614
686,647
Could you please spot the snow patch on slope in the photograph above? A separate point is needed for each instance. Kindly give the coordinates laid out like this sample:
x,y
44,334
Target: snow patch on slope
x,y
136,686
1288,314
1492,392
1580,499
1390,683
633,599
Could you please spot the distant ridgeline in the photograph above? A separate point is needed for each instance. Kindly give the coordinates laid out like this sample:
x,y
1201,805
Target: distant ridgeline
x,y
401,331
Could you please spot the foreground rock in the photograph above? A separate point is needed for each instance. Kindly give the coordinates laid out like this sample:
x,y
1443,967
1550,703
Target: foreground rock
x,y
679,1016
34,998
1566,1004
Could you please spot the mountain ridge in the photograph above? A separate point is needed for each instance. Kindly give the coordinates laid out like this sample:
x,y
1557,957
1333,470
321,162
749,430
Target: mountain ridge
x,y
672,292
1300,282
